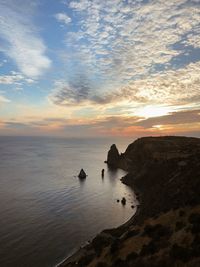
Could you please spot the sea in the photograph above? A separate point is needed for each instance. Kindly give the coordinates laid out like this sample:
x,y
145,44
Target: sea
x,y
46,211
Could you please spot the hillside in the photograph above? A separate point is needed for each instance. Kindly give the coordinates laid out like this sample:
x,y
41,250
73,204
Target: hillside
x,y
165,171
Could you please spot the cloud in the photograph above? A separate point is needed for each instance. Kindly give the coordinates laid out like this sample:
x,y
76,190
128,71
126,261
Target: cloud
x,y
183,122
127,52
3,62
175,118
119,56
178,123
175,88
124,39
63,17
15,78
170,87
21,41
66,93
79,91
3,99
11,79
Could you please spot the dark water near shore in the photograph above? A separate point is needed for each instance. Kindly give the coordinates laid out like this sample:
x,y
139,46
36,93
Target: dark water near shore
x,y
46,212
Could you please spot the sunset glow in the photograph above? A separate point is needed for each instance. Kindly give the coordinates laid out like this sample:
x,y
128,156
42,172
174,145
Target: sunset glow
x,y
93,68
153,111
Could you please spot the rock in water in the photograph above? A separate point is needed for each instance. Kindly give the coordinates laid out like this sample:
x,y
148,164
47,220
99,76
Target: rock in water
x,y
123,201
82,174
113,156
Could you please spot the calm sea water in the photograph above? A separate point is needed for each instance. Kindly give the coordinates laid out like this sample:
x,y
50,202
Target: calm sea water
x,y
46,212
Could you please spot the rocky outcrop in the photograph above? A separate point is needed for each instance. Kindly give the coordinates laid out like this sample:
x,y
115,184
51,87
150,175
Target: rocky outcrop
x,y
113,156
147,150
82,174
165,171
123,201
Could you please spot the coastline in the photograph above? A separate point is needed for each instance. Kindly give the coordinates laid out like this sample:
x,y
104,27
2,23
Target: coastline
x,y
163,172
79,252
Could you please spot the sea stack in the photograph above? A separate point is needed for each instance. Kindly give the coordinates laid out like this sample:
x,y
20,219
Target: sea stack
x,y
113,156
82,174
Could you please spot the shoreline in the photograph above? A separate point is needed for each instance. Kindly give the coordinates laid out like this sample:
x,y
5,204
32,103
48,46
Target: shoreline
x,y
157,168
80,251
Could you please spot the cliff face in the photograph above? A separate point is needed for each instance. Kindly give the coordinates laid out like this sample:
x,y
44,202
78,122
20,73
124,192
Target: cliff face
x,y
166,170
166,231
149,150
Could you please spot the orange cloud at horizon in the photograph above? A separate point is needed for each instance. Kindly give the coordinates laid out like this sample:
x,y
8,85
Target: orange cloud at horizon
x,y
175,123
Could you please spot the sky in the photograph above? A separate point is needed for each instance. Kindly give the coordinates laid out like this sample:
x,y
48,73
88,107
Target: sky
x,y
93,68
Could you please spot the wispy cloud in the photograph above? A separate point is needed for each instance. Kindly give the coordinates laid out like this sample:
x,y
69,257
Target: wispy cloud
x,y
175,118
11,79
20,39
3,99
15,78
3,62
63,18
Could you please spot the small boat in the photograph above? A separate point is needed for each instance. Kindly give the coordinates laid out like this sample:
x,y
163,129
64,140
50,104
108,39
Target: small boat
x,y
82,174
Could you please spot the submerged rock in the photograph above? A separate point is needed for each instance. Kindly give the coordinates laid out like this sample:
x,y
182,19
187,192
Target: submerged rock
x,y
82,174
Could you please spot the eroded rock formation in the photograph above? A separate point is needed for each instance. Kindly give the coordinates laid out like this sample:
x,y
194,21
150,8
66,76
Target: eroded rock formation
x,y
82,174
113,156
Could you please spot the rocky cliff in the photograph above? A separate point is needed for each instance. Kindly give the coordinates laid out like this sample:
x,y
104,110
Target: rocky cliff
x,y
166,170
166,230
147,150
